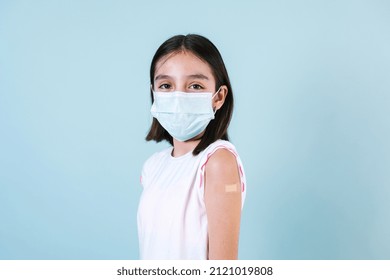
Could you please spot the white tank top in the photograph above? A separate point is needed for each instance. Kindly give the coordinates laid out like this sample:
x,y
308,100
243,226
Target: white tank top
x,y
172,221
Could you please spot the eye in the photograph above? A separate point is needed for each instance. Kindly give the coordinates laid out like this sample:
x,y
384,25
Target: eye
x,y
164,86
196,87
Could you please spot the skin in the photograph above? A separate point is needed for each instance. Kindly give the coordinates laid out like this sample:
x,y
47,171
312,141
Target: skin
x,y
185,72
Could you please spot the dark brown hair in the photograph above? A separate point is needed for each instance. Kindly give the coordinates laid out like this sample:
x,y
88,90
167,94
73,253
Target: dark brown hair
x,y
206,51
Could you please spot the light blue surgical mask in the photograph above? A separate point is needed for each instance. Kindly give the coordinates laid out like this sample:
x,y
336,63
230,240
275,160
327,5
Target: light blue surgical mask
x,y
184,115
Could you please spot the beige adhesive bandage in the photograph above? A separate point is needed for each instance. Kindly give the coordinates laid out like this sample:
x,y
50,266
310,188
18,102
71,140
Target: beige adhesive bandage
x,y
231,188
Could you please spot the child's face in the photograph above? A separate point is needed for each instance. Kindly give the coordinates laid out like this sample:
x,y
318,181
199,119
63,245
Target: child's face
x,y
185,72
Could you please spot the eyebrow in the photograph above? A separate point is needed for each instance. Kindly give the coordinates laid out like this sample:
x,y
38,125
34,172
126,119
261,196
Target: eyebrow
x,y
198,76
193,76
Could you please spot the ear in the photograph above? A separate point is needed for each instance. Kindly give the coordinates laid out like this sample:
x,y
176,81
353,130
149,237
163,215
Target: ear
x,y
220,97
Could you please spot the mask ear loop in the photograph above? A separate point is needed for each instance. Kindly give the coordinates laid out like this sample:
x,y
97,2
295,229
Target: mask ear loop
x,y
212,97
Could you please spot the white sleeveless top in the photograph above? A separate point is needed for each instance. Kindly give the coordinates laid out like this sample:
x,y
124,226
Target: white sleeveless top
x,y
172,221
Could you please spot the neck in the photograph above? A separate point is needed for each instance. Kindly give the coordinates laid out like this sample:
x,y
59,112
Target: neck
x,y
181,148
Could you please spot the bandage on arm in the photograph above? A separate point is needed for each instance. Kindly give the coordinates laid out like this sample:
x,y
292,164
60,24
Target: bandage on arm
x,y
231,188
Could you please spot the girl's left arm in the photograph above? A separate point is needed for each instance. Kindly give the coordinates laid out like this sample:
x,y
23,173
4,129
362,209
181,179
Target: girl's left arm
x,y
223,204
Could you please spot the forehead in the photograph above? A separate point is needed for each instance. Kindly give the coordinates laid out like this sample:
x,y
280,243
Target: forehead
x,y
182,63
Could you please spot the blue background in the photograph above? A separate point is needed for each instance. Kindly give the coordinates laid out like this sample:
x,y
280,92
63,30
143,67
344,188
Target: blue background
x,y
311,123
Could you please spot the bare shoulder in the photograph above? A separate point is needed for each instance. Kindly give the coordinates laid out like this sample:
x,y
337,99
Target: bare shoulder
x,y
222,166
221,159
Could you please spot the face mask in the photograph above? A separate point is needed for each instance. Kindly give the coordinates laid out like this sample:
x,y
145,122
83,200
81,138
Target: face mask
x,y
183,115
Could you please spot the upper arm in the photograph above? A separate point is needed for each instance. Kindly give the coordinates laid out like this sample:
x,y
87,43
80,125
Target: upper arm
x,y
223,204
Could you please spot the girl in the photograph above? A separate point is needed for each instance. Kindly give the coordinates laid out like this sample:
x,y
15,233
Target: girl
x,y
193,192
